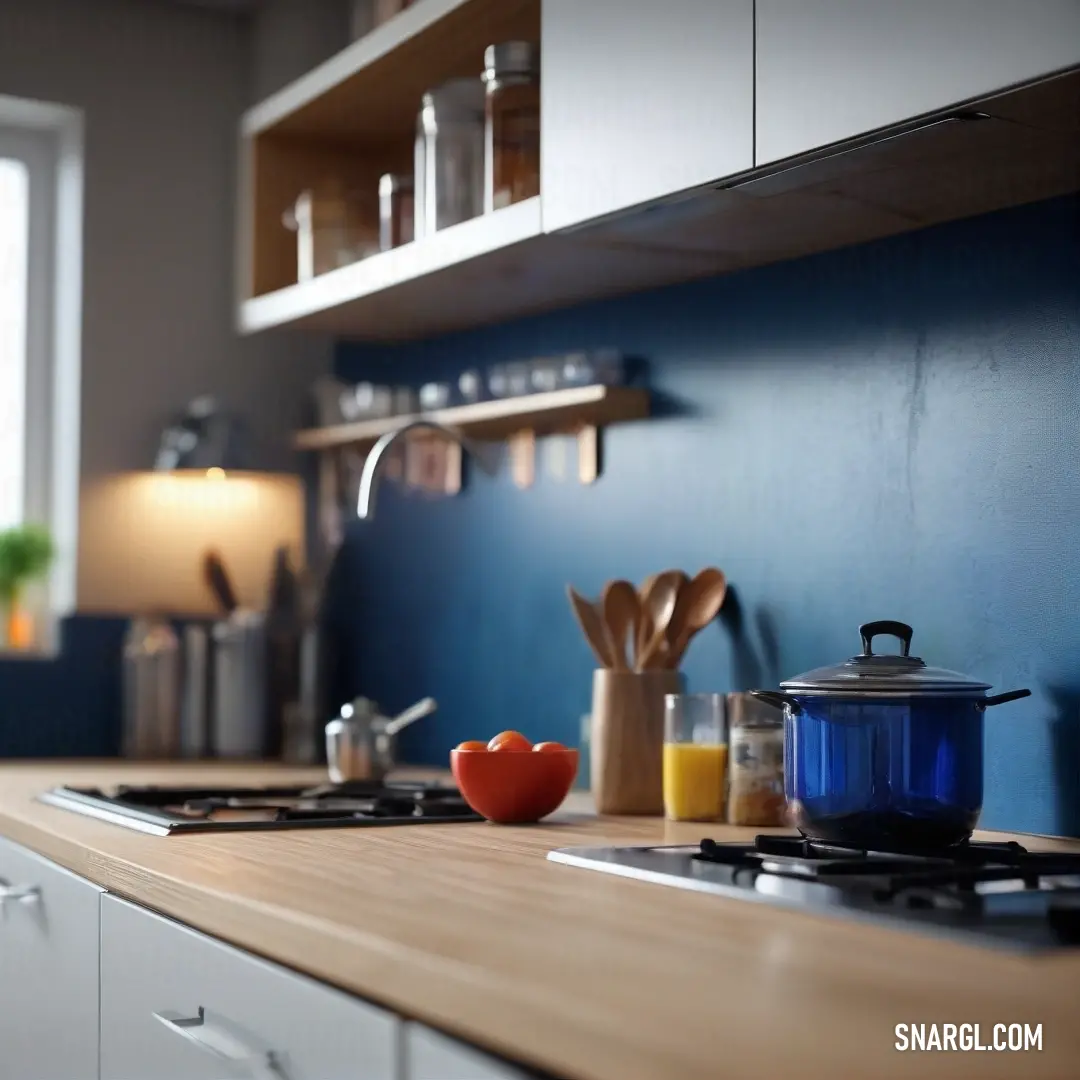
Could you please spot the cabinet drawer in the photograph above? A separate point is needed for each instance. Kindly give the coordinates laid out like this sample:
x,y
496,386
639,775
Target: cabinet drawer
x,y
48,969
257,1020
430,1055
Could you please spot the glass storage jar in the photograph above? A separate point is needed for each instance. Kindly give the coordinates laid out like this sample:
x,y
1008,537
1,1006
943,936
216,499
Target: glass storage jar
x,y
449,166
756,773
334,226
512,123
396,211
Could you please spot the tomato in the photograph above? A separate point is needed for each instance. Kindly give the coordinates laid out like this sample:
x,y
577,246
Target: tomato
x,y
472,744
509,740
550,748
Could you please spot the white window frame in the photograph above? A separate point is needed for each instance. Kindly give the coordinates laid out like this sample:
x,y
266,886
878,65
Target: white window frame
x,y
48,139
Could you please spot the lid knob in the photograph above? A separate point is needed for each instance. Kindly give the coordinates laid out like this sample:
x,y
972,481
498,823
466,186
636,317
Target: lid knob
x,y
868,631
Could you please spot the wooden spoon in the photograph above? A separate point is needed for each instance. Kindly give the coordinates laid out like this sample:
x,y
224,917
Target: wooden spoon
x,y
592,626
644,626
622,612
698,605
660,604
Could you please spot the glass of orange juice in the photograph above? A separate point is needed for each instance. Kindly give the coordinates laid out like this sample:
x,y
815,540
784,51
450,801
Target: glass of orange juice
x,y
695,757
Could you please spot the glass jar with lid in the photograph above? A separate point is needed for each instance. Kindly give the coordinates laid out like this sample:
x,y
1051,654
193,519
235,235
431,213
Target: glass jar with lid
x,y
756,771
512,123
449,166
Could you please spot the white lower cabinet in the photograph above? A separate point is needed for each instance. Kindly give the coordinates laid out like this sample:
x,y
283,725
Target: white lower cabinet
x,y
95,988
48,970
431,1056
177,1005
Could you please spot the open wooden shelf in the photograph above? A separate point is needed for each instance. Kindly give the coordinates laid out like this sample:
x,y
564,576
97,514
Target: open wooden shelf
x,y
558,411
370,91
337,130
370,292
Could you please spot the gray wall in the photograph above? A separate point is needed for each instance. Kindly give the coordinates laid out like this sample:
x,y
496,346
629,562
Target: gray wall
x,y
162,86
290,37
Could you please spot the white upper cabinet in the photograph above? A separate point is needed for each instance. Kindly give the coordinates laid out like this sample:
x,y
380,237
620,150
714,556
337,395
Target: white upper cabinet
x,y
641,100
828,70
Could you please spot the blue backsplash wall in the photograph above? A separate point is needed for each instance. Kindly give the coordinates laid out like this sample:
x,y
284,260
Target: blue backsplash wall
x,y
887,431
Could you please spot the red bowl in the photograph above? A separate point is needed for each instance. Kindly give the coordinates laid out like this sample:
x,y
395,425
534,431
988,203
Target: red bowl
x,y
514,787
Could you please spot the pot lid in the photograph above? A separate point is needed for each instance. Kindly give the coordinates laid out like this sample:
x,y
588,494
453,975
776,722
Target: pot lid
x,y
882,673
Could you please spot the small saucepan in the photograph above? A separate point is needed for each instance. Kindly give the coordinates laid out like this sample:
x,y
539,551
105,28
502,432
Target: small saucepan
x,y
882,751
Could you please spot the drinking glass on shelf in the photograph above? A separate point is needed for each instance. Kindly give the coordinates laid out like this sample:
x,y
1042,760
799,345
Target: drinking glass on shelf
x,y
498,381
601,366
366,401
471,386
519,379
405,401
545,375
434,395
609,367
695,757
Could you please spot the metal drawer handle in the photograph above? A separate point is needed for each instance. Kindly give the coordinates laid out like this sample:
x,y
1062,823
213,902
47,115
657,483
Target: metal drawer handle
x,y
216,1040
26,894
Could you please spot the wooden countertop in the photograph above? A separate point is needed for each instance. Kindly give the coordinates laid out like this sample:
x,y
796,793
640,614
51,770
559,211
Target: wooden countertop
x,y
588,976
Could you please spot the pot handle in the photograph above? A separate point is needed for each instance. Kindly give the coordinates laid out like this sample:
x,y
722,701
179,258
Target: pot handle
x,y
777,699
1000,699
869,631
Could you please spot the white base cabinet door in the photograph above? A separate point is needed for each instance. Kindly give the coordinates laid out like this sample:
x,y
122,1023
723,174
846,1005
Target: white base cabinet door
x,y
48,970
430,1055
178,1005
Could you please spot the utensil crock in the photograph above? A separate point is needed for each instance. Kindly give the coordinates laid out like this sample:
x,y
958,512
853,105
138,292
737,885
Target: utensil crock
x,y
627,742
882,751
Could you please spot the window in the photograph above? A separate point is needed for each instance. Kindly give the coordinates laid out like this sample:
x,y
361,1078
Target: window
x,y
14,229
40,328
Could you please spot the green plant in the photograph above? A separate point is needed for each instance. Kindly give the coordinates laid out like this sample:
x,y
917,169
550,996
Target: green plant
x,y
26,552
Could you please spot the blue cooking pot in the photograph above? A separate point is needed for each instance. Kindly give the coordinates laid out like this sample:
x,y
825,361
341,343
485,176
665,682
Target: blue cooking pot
x,y
883,752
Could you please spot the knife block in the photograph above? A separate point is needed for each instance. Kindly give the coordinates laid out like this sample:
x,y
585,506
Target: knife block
x,y
627,744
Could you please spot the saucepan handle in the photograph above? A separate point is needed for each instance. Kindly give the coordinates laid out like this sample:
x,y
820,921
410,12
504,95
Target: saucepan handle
x,y
777,699
1000,699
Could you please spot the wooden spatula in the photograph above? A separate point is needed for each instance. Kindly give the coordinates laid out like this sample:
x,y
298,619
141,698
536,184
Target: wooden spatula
x,y
660,604
592,626
622,611
699,603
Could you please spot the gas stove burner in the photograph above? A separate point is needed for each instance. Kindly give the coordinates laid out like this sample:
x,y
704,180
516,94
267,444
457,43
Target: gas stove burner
x,y
165,811
999,893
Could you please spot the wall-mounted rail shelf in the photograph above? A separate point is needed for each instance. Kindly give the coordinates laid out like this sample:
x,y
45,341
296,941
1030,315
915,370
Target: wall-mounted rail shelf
x,y
579,411
558,411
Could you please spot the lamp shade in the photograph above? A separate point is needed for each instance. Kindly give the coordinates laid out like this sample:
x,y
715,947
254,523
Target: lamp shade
x,y
144,537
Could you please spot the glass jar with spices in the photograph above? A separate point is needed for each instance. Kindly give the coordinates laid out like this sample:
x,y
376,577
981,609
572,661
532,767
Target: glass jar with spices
x,y
512,123
756,771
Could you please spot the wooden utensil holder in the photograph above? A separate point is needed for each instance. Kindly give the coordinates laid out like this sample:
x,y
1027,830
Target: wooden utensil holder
x,y
627,744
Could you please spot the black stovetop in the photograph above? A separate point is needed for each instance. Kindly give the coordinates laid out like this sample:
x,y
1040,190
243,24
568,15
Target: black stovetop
x,y
165,811
1001,893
